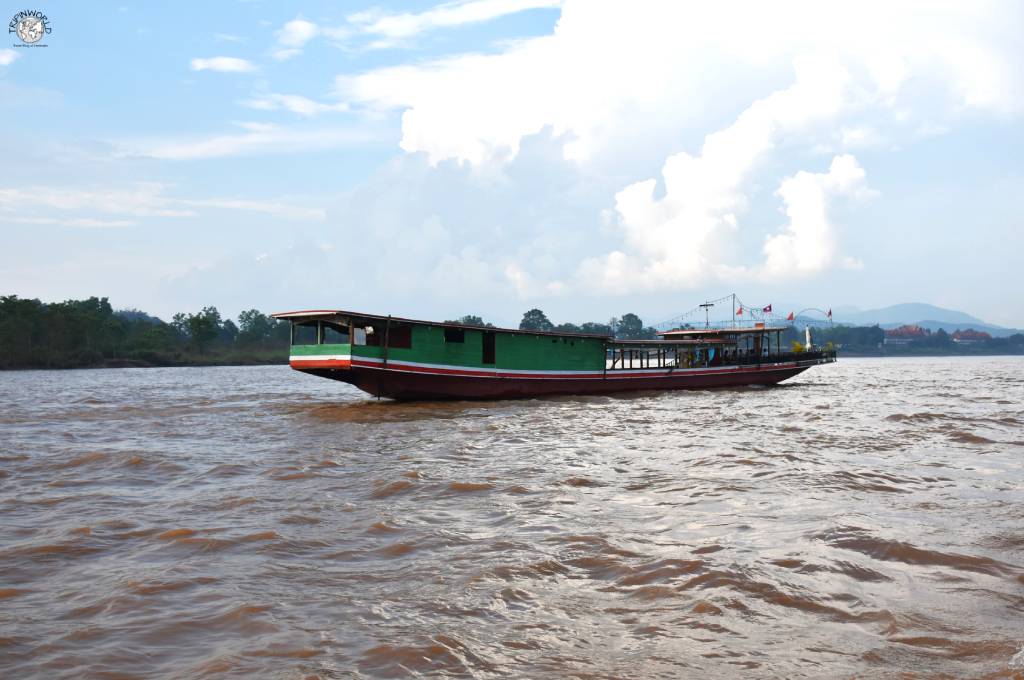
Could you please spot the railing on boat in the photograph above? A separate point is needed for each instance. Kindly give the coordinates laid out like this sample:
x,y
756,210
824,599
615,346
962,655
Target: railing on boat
x,y
621,358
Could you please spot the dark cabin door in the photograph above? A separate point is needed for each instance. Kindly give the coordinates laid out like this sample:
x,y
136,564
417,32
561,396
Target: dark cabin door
x,y
488,357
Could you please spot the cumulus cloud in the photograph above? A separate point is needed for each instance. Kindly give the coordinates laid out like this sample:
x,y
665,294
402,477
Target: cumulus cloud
x,y
863,78
681,239
7,57
438,241
675,61
292,38
808,245
223,65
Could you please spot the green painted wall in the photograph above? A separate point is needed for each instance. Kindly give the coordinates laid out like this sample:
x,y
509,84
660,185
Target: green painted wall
x,y
512,351
307,350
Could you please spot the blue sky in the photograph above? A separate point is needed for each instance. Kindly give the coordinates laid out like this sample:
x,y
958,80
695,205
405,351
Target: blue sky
x,y
489,156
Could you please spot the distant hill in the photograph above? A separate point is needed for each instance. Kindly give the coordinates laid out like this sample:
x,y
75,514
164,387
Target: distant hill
x,y
921,314
908,312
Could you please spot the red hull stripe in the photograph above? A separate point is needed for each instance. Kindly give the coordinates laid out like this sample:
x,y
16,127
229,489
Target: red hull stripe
x,y
320,363
299,362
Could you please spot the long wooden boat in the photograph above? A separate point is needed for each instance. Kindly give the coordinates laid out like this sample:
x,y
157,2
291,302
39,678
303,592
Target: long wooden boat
x,y
407,359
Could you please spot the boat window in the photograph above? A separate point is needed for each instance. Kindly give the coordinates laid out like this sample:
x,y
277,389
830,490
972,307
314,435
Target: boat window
x,y
334,334
488,347
304,333
455,335
358,336
399,336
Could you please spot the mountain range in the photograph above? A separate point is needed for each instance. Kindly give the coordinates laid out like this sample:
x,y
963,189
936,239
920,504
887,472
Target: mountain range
x,y
919,313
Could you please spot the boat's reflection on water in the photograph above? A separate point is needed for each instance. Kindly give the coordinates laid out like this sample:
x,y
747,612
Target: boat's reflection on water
x,y
354,407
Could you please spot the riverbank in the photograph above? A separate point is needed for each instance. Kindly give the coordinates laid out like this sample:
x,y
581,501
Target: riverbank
x,y
927,353
164,361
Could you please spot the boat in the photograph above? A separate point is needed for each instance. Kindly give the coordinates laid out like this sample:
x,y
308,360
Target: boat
x,y
409,359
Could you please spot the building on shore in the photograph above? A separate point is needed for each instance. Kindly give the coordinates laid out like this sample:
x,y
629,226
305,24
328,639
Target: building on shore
x,y
906,334
969,336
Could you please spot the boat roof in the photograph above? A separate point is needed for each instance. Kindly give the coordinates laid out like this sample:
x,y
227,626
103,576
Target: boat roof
x,y
720,331
661,342
341,314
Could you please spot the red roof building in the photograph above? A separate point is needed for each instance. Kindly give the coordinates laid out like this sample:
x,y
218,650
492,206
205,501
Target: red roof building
x,y
970,336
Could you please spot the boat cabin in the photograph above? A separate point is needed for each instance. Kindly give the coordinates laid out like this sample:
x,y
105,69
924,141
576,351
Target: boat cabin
x,y
337,333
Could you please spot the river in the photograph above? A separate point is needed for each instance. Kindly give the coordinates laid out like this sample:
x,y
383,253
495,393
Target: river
x,y
864,519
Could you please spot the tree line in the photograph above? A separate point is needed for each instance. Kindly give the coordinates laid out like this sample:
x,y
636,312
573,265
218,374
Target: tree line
x,y
80,333
870,341
628,327
83,333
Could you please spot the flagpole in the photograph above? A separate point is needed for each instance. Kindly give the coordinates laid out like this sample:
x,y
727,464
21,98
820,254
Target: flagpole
x,y
734,310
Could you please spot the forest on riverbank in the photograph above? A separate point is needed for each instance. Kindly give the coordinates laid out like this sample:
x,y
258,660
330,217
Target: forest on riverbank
x,y
90,333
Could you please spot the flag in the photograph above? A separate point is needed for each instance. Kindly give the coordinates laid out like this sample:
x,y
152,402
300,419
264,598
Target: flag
x,y
768,309
790,317
739,312
830,313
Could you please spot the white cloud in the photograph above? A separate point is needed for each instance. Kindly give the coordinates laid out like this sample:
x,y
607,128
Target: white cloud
x,y
277,209
142,199
293,36
259,138
294,103
809,242
394,28
613,78
682,239
223,65
672,62
83,222
7,57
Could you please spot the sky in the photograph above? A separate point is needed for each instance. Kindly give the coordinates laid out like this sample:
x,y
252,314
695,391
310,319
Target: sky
x,y
484,157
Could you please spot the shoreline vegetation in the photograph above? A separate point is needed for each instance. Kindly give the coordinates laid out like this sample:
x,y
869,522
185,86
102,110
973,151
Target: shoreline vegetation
x,y
91,334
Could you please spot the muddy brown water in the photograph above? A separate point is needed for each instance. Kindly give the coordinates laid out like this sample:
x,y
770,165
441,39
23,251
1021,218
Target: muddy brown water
x,y
865,519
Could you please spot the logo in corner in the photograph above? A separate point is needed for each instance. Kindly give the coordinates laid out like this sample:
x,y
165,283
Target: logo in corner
x,y
30,26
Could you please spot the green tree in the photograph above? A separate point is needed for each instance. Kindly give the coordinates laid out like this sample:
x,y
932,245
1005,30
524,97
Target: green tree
x,y
535,320
179,322
596,328
254,327
203,327
228,332
470,320
630,327
160,337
